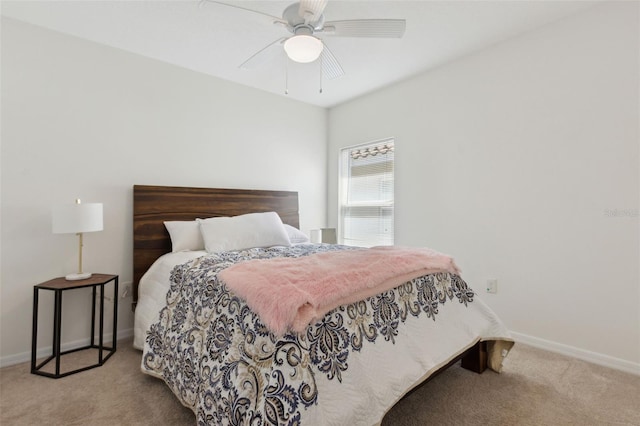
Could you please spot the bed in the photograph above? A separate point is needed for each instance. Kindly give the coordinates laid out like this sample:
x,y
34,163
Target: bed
x,y
350,364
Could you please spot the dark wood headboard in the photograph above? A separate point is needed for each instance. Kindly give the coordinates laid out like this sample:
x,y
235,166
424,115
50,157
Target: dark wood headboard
x,y
152,205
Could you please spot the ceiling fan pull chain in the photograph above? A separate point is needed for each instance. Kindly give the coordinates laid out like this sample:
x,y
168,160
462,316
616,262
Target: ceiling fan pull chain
x,y
320,62
286,75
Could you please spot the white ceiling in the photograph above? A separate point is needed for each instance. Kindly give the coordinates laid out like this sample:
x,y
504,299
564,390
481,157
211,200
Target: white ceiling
x,y
215,39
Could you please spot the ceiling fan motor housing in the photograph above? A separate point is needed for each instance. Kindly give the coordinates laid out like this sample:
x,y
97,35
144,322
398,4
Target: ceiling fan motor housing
x,y
292,15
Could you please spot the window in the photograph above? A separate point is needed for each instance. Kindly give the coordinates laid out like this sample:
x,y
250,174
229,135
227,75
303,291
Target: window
x,y
366,194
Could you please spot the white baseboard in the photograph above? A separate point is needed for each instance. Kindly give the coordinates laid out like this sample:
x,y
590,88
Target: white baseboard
x,y
593,357
46,351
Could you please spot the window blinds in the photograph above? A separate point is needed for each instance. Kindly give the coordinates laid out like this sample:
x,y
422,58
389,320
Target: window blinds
x,y
366,194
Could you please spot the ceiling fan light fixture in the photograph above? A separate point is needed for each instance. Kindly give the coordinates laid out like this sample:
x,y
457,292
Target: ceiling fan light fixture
x,y
303,48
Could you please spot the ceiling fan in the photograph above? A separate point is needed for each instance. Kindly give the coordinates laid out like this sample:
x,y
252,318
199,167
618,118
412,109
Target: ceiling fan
x,y
304,20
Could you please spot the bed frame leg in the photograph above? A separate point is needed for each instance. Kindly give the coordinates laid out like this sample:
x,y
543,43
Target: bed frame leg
x,y
475,359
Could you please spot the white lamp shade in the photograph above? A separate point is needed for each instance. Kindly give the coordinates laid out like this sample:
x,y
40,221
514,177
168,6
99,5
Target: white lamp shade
x,y
77,218
303,48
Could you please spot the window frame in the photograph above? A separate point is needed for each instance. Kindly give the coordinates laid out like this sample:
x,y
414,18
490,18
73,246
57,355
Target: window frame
x,y
343,191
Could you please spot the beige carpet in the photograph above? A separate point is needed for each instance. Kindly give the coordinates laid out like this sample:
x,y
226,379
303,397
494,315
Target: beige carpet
x,y
536,388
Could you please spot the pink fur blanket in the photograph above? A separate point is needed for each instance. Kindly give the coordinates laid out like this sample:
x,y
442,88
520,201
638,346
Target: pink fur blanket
x,y
290,293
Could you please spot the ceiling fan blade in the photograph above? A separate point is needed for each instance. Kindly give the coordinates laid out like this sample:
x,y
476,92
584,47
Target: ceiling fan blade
x,y
311,10
266,53
384,28
330,66
274,18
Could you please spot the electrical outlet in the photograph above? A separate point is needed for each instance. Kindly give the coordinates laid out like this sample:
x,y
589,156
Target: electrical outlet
x,y
126,290
492,286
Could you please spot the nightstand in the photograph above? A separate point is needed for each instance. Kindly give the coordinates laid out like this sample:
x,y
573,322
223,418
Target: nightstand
x,y
59,285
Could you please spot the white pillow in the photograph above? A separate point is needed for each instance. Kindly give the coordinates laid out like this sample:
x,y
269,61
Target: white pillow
x,y
185,235
296,236
243,232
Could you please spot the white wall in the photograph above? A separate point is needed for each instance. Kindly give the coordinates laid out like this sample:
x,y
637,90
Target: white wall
x,y
84,120
515,160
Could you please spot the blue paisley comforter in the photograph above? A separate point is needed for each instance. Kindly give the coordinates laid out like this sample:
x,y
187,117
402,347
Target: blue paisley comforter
x,y
350,367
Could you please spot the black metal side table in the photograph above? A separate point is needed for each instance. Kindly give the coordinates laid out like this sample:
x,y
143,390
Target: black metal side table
x,y
58,285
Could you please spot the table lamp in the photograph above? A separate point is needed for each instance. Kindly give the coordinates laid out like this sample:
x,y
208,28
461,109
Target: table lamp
x,y
77,219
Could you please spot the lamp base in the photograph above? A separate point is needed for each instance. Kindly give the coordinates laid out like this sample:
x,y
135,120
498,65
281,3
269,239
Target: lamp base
x,y
76,277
